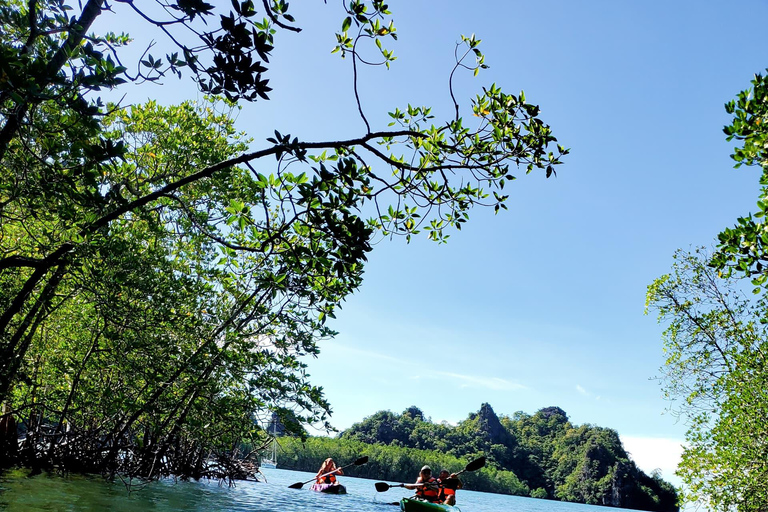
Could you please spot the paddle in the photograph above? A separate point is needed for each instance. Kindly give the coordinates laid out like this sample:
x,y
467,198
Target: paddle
x,y
476,464
358,462
383,486
451,483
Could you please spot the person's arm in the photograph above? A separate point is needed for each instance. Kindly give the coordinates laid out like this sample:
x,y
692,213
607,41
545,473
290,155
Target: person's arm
x,y
413,486
460,484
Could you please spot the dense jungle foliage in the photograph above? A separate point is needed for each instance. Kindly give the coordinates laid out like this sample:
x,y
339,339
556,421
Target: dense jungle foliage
x,y
541,455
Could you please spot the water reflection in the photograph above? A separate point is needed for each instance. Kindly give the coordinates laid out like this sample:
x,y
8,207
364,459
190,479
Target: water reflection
x,y
91,494
84,494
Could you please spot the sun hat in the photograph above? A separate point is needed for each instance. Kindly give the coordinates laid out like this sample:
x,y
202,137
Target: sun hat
x,y
426,468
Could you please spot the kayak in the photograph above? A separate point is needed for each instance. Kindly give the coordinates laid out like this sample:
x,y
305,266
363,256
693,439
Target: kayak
x,y
411,505
329,488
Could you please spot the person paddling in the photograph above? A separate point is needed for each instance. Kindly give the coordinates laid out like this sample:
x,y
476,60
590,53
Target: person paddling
x,y
447,495
426,486
328,467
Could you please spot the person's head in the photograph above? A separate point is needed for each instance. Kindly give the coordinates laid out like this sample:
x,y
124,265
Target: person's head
x,y
444,474
329,463
426,471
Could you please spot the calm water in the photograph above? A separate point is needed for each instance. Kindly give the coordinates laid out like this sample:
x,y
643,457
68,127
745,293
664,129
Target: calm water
x,y
56,494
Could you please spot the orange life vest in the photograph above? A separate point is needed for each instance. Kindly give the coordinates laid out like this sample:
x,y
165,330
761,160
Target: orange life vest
x,y
428,492
445,492
328,479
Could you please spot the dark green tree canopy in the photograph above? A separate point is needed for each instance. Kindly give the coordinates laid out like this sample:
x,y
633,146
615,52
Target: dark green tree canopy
x,y
541,455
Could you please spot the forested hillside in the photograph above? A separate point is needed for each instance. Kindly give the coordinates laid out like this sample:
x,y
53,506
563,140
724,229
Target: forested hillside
x,y
541,455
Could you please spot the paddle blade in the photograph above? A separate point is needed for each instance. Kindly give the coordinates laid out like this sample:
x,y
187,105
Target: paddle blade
x,y
361,461
475,464
381,486
297,485
451,483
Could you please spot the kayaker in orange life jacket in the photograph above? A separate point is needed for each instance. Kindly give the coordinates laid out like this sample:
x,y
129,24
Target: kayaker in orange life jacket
x,y
425,492
328,467
448,495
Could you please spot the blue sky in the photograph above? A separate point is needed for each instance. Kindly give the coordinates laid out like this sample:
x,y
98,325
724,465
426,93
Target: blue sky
x,y
543,304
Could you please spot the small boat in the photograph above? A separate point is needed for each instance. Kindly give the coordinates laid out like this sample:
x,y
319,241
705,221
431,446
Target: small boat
x,y
329,488
414,505
271,461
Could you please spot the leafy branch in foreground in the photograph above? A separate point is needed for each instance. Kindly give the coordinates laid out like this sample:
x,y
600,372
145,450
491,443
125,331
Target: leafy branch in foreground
x,y
744,247
160,280
715,340
716,368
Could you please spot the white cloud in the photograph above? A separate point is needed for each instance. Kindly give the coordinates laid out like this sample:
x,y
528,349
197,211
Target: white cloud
x,y
586,393
494,383
335,347
467,381
650,453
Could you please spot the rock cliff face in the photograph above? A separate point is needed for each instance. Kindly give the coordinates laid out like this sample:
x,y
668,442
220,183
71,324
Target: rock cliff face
x,y
553,412
489,424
